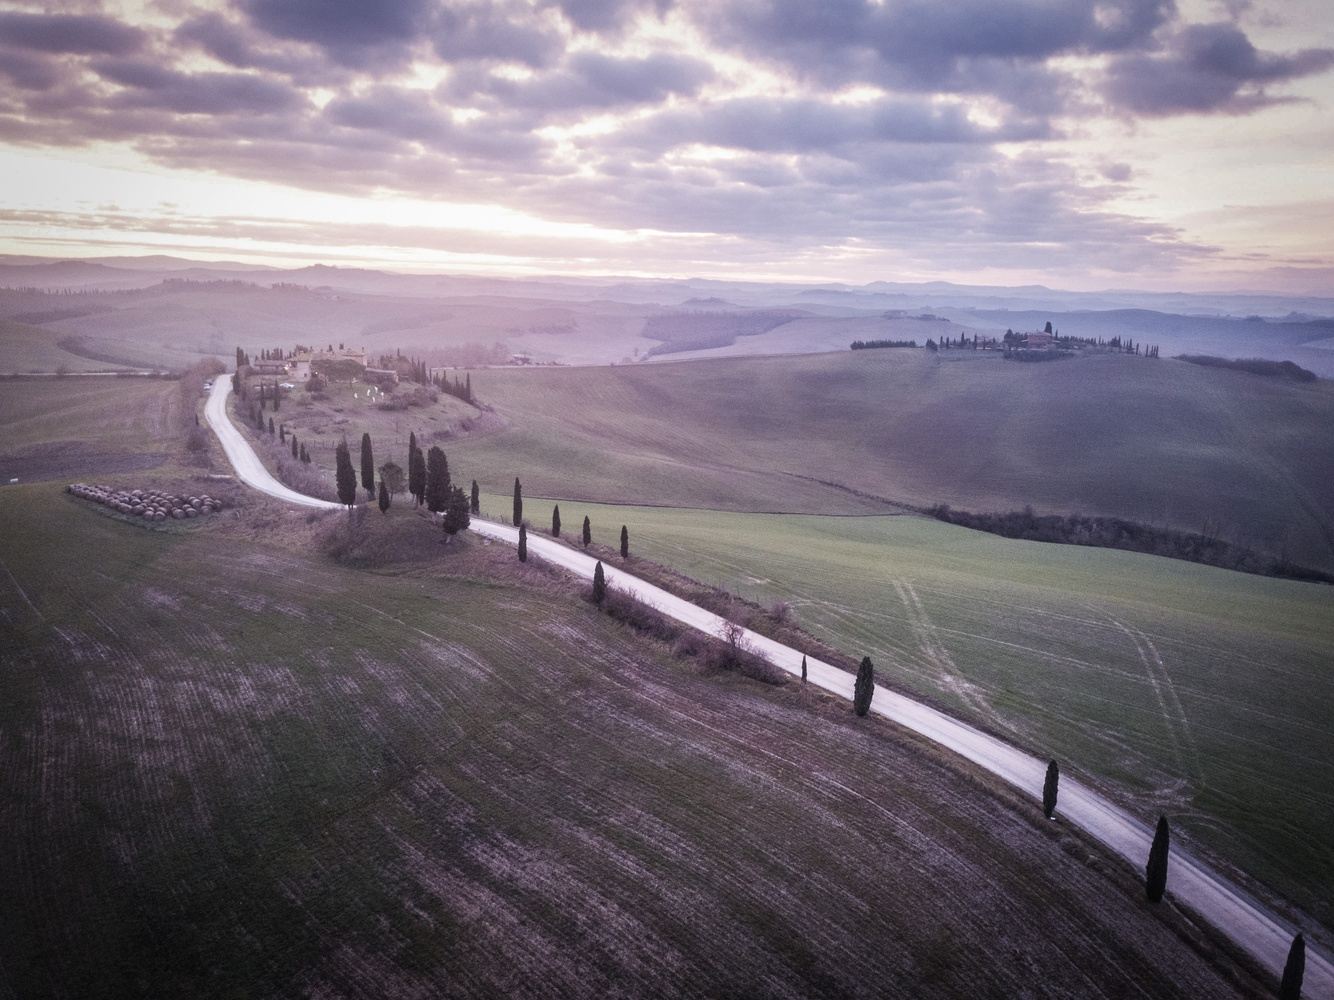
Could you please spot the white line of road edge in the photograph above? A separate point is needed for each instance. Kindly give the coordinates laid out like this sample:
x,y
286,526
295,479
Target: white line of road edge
x,y
1208,893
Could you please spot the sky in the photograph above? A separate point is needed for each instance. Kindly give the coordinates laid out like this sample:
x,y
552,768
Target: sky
x,y
1081,144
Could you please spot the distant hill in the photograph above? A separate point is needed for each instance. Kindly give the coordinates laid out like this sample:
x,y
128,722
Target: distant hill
x,y
1159,442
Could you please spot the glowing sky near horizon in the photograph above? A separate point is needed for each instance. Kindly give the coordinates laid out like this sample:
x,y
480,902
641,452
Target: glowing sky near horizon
x,y
1081,144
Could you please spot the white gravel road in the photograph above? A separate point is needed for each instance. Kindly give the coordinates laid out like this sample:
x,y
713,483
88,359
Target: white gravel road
x,y
1191,883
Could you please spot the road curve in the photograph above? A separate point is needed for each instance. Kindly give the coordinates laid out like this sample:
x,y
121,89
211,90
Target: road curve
x,y
249,469
1192,883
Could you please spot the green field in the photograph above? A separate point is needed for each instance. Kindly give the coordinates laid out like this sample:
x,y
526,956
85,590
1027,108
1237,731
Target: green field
x,y
230,767
1180,688
1162,442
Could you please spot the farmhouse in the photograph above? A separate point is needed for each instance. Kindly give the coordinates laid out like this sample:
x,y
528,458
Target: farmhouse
x,y
269,367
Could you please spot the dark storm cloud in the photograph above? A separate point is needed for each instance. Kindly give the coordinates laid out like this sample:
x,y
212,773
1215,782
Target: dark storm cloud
x,y
585,81
355,33
1207,68
75,33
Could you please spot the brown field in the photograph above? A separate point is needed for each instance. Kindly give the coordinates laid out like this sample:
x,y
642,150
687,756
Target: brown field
x,y
83,427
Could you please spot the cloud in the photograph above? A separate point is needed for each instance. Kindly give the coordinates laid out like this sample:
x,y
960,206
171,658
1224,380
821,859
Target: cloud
x,y
414,116
29,72
599,16
503,32
805,125
954,152
920,44
1206,68
73,33
240,46
585,81
150,85
354,33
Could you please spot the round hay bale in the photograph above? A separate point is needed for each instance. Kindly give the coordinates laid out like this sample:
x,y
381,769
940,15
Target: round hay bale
x,y
191,512
177,513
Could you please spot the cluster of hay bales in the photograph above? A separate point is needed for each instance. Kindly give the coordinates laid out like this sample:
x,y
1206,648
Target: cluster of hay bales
x,y
151,505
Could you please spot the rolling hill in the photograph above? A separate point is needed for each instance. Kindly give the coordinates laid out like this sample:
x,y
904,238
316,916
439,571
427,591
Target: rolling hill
x,y
1160,442
232,766
1177,688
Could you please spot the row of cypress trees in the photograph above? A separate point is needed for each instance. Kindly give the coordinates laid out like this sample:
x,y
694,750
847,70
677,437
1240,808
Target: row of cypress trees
x,y
1155,883
586,535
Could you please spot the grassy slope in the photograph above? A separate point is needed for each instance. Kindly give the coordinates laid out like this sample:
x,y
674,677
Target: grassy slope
x,y
1161,442
1182,688
233,769
26,348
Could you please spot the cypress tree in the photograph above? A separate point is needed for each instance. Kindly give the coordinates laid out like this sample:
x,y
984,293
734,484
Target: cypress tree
x,y
456,514
803,668
1049,790
555,521
588,531
467,387
384,497
599,584
864,688
282,432
344,476
625,542
475,504
518,501
1294,971
270,426
437,480
295,454
523,543
1155,872
367,466
416,475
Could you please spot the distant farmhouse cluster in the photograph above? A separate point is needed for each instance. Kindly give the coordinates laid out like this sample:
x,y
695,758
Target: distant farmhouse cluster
x,y
315,369
1045,345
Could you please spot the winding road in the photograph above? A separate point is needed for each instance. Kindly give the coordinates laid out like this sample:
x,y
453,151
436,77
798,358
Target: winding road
x,y
1191,883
